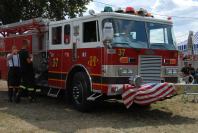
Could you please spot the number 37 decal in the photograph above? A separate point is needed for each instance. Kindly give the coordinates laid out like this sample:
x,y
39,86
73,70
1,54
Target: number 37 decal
x,y
54,62
121,52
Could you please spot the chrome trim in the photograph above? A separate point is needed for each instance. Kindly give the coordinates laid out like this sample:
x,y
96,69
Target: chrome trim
x,y
163,71
118,91
113,70
150,68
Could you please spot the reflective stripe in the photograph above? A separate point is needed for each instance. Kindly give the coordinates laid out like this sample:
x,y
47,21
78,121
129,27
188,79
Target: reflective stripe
x,y
30,89
23,87
38,90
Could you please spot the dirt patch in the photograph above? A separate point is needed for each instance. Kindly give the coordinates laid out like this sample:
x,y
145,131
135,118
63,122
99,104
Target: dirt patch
x,y
53,115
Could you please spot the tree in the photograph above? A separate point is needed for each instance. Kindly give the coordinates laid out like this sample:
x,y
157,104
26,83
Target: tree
x,y
15,10
10,11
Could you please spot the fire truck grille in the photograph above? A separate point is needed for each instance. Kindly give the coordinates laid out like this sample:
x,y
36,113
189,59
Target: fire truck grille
x,y
150,68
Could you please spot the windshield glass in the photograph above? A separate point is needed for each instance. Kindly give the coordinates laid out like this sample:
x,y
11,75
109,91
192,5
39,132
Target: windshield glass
x,y
128,33
139,34
160,36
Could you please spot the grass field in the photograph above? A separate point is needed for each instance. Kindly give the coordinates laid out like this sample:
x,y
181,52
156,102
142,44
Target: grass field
x,y
53,115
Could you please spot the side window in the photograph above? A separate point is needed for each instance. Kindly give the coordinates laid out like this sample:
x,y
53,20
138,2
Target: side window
x,y
56,35
67,34
90,31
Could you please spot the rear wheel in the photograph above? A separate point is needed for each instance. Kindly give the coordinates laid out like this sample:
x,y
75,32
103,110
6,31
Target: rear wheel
x,y
80,91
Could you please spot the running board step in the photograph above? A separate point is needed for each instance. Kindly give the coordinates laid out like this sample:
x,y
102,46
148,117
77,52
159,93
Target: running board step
x,y
94,96
53,92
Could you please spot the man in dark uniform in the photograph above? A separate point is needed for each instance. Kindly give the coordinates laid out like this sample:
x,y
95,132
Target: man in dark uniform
x,y
192,70
27,73
185,70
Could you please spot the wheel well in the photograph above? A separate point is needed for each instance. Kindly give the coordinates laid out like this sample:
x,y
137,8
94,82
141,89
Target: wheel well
x,y
71,74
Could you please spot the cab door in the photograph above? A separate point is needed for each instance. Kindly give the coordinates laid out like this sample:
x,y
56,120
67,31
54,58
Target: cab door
x,y
90,48
55,75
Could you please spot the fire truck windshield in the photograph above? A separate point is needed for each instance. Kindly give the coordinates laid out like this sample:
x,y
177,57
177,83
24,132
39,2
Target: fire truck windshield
x,y
139,34
160,36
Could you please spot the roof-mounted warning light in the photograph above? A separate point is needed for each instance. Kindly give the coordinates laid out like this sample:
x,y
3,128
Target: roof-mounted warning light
x,y
130,10
119,10
108,9
91,12
149,15
169,18
142,12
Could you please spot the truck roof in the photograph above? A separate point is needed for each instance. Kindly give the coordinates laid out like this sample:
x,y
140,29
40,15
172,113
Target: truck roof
x,y
115,15
41,21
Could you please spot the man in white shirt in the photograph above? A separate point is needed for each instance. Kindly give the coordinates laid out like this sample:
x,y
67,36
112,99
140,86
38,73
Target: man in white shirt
x,y
14,75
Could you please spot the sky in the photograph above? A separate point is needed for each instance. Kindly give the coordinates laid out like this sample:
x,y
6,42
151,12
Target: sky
x,y
184,12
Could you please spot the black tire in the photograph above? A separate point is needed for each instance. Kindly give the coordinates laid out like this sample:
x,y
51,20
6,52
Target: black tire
x,y
80,91
68,96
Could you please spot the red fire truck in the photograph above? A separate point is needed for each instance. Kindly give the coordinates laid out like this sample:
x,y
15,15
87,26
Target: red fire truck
x,y
93,56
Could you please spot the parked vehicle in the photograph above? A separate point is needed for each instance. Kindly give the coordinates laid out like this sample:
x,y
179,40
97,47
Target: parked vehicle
x,y
93,56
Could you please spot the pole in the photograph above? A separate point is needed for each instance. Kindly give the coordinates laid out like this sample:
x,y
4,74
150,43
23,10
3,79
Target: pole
x,y
190,46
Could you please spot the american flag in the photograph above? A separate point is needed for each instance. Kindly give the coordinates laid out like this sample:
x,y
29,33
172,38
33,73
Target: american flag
x,y
146,94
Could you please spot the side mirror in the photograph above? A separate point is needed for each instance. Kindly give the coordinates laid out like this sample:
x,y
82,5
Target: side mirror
x,y
133,35
108,31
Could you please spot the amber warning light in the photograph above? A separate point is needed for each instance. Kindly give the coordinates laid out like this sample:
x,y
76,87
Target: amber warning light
x,y
124,60
170,61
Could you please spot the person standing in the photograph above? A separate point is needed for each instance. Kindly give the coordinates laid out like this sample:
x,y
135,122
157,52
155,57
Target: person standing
x,y
192,70
14,75
25,60
196,76
185,70
27,72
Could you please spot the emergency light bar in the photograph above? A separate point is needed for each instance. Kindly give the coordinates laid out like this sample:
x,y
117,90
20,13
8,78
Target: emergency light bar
x,y
129,10
108,9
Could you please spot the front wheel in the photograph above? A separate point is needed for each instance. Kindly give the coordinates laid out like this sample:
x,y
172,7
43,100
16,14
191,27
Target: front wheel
x,y
80,91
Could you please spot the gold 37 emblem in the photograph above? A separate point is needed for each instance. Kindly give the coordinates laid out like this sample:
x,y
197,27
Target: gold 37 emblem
x,y
93,61
55,62
121,52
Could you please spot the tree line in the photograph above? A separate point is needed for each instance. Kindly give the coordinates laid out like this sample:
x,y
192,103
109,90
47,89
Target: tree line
x,y
16,10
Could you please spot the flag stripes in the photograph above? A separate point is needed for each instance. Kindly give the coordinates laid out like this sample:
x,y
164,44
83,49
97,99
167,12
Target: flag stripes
x,y
146,94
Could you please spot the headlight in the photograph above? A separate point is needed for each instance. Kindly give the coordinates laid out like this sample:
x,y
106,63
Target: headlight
x,y
174,71
171,71
125,72
137,81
